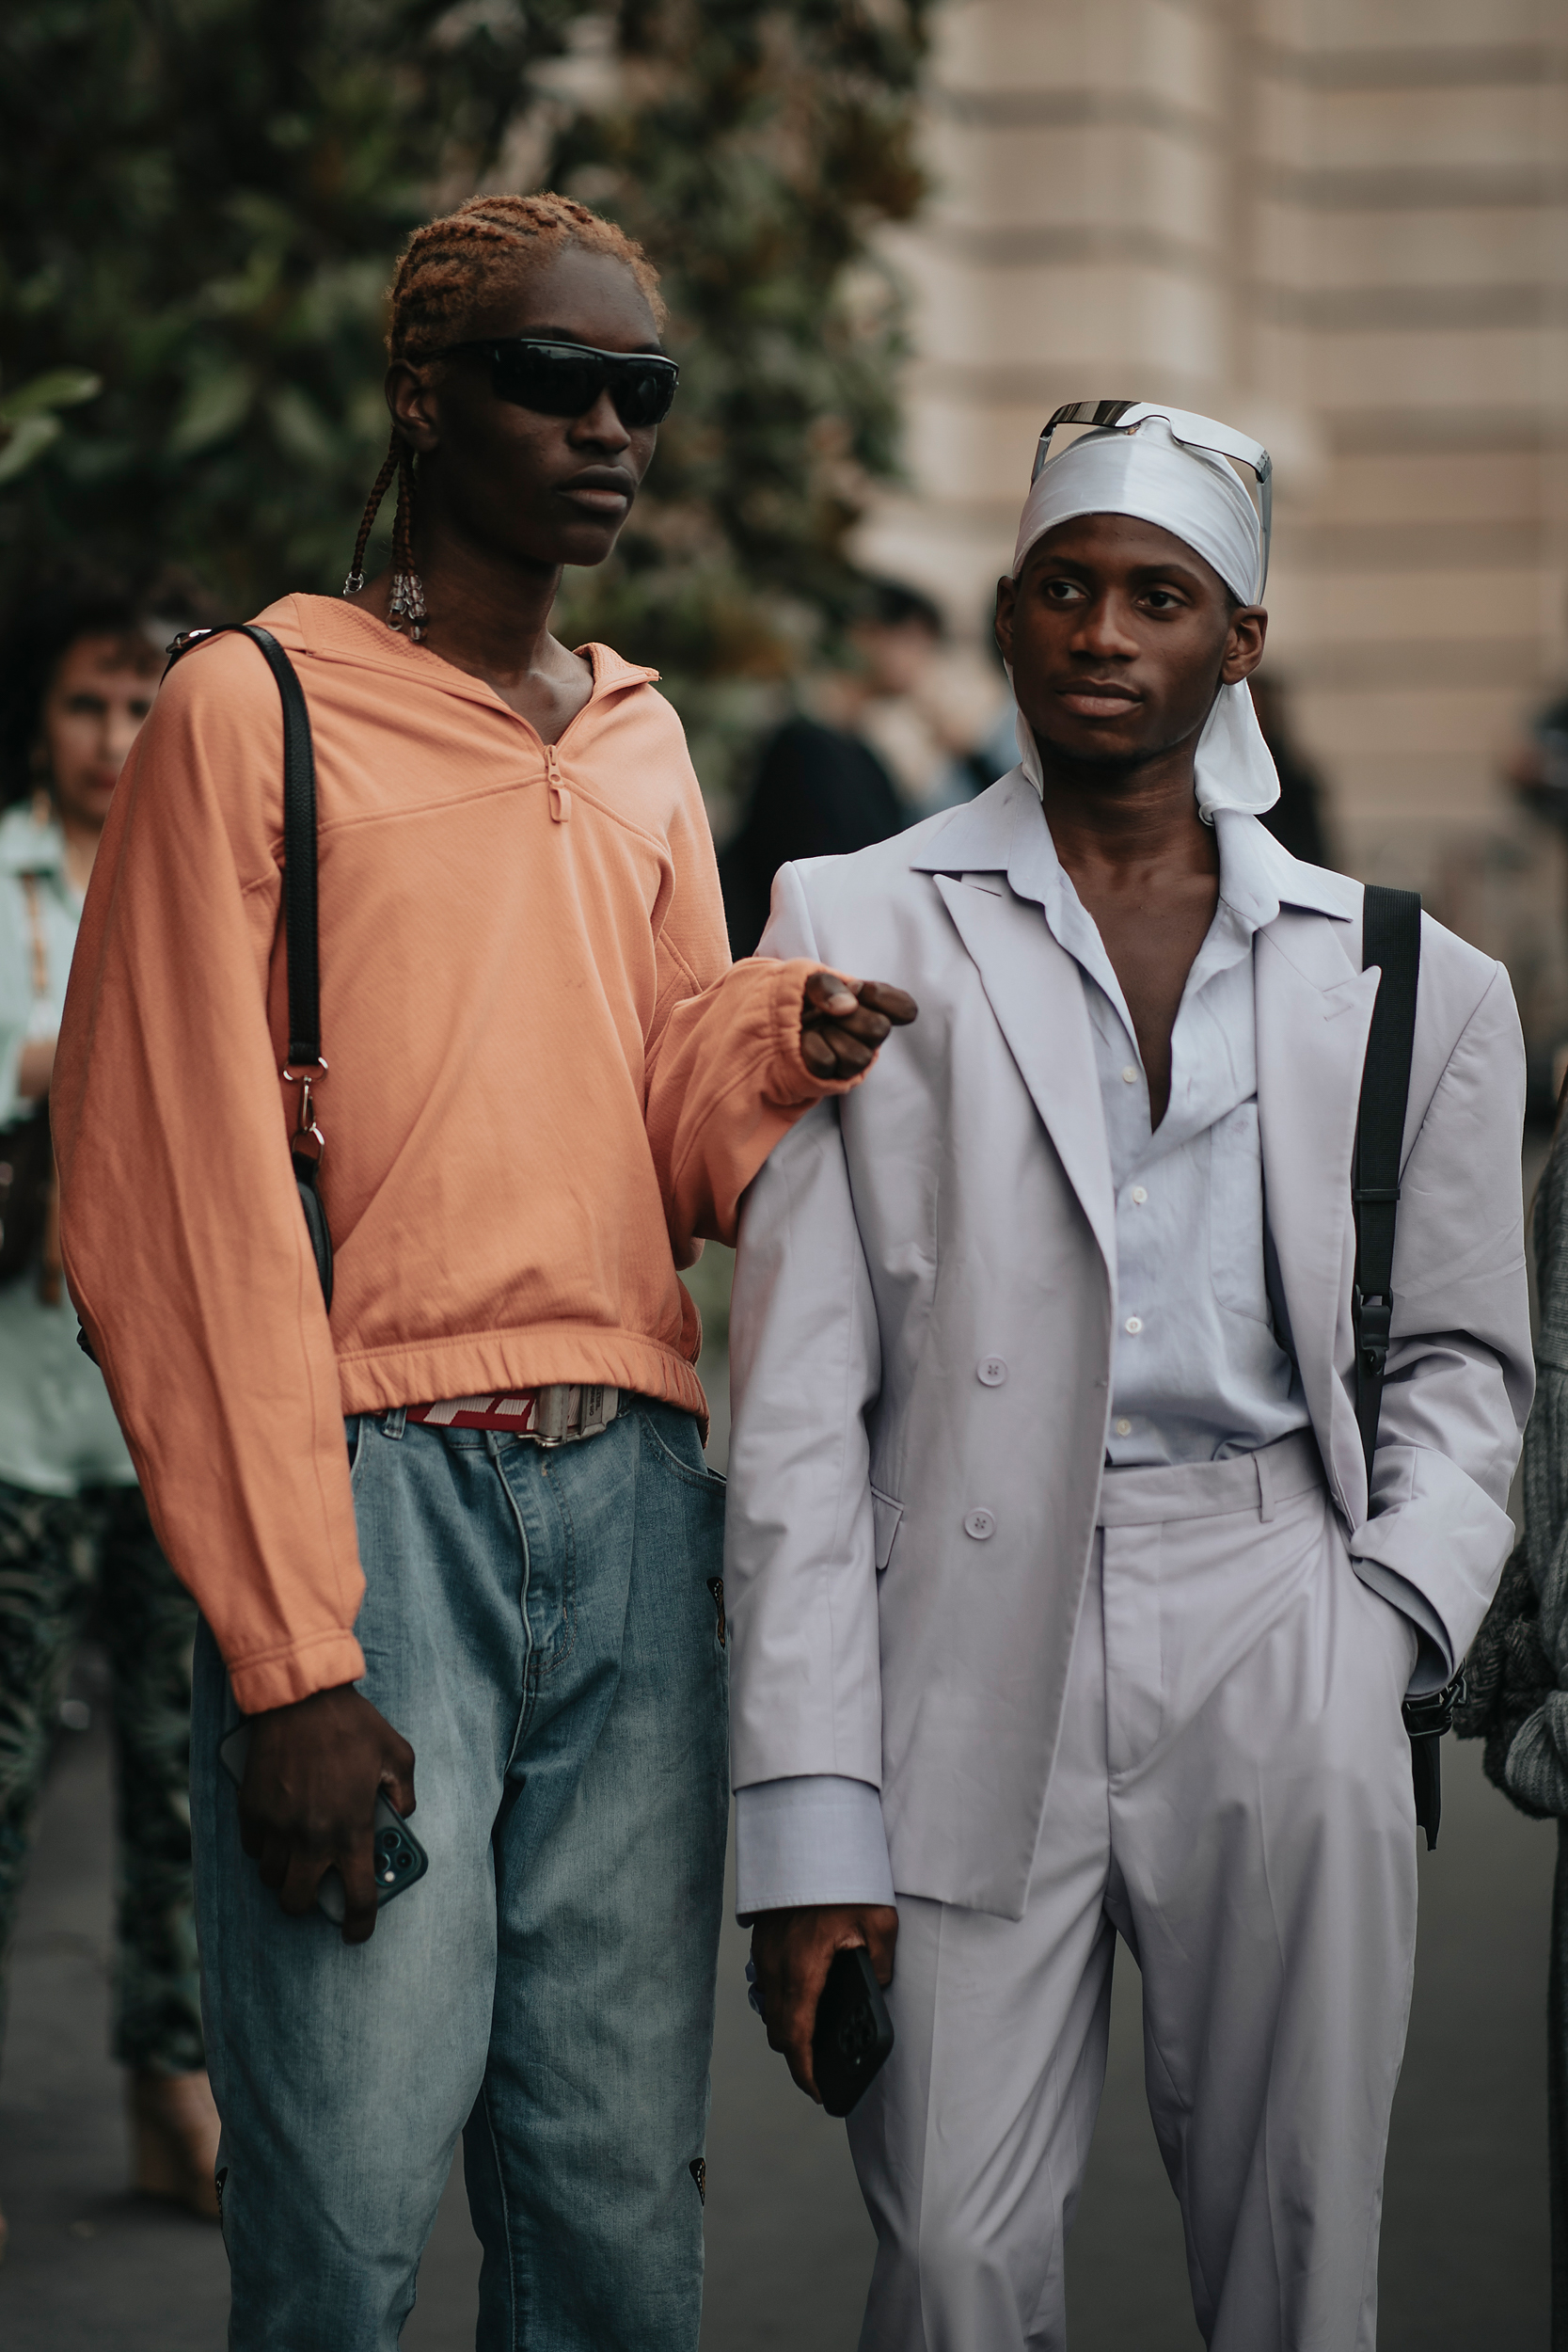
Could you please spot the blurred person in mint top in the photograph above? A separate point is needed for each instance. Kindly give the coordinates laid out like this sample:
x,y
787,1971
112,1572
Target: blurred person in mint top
x,y
79,669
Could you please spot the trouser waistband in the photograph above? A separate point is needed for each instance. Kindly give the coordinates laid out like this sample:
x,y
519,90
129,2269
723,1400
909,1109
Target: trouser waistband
x,y
1208,1490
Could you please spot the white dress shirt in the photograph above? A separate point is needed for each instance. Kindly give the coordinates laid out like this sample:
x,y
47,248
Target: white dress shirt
x,y
1201,1372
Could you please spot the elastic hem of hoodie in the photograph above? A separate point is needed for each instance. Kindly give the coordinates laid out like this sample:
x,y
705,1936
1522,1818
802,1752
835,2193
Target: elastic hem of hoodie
x,y
373,1380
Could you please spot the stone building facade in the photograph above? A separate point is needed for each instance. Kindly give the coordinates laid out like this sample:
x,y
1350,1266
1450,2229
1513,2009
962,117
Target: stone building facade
x,y
1343,226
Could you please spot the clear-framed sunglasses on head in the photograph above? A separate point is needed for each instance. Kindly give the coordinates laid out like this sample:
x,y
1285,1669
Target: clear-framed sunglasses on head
x,y
1191,430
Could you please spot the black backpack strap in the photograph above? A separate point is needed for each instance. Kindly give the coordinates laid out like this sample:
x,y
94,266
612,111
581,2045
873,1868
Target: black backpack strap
x,y
1391,939
300,930
299,838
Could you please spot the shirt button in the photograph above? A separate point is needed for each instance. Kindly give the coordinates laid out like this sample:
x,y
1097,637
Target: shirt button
x,y
1133,1324
981,1525
1124,1429
992,1371
1139,1196
1129,1076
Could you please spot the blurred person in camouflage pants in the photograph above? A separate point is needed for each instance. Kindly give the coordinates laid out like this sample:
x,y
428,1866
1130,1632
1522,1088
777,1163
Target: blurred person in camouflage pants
x,y
79,668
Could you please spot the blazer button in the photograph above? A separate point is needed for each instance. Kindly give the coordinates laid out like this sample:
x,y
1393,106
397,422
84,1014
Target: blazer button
x,y
980,1524
992,1371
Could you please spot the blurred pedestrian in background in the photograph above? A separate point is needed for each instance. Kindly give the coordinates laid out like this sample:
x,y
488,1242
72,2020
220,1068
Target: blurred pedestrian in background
x,y
1517,1698
79,669
1538,765
821,790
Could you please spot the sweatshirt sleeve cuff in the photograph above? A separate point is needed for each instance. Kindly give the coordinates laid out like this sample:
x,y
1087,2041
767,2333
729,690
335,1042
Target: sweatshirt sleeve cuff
x,y
286,1675
815,1839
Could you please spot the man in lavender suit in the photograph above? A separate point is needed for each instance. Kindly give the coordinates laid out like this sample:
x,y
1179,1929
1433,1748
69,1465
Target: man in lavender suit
x,y
1061,1606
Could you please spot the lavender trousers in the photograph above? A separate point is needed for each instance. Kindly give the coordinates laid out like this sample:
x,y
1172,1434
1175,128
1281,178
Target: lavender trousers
x,y
1232,1797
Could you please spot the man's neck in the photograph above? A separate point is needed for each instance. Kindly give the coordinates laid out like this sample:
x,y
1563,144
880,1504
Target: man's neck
x,y
489,616
1146,869
1126,823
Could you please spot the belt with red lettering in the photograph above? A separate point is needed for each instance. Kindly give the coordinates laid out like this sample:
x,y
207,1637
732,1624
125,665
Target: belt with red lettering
x,y
558,1415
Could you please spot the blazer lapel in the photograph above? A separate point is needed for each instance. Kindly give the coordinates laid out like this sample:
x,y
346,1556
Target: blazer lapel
x,y
987,872
1314,1014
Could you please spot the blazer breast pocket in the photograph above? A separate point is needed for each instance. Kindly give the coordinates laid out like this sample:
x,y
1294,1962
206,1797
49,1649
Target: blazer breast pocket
x,y
885,1515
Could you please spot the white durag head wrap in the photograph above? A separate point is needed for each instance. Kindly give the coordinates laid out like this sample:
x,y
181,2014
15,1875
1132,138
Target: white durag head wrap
x,y
1195,496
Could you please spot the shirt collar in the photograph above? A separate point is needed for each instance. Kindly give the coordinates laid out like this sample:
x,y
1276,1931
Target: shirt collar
x,y
1258,876
27,847
1003,830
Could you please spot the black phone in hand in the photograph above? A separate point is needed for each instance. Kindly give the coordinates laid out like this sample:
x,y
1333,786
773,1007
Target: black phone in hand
x,y
399,1858
853,2033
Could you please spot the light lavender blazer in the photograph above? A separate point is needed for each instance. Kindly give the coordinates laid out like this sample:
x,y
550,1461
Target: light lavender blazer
x,y
909,1533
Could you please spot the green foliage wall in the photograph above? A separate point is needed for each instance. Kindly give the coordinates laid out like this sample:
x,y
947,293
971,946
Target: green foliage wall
x,y
753,149
205,197
202,204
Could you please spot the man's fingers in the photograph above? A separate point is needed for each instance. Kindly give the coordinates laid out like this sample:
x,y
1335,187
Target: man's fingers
x,y
843,1024
836,1054
399,1780
871,1028
357,1871
827,992
849,1051
818,1055
896,1003
797,2059
882,1937
297,1892
791,2021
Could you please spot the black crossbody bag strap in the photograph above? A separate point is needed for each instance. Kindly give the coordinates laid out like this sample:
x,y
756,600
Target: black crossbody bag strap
x,y
301,943
1391,939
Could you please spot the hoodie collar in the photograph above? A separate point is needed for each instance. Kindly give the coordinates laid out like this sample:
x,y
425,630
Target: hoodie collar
x,y
338,631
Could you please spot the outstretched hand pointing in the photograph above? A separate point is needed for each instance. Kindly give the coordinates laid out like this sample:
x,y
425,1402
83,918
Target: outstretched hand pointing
x,y
843,1022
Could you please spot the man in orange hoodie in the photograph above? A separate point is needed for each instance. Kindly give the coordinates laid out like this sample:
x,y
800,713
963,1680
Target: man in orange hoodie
x,y
546,1086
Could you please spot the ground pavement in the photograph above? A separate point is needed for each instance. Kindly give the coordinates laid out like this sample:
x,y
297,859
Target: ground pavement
x,y
1464,2240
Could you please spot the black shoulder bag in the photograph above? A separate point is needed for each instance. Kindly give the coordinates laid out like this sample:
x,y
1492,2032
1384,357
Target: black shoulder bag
x,y
304,1063
1391,938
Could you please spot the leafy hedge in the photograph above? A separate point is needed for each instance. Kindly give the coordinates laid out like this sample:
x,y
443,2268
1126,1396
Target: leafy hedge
x,y
203,206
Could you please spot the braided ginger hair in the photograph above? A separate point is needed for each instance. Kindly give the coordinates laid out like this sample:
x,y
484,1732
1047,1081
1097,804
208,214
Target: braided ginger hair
x,y
447,270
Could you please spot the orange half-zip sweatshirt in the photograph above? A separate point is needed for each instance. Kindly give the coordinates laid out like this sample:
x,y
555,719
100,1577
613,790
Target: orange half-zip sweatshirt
x,y
544,1084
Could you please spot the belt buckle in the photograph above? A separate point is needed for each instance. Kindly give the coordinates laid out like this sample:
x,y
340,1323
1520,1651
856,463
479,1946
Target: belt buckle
x,y
552,1414
564,1413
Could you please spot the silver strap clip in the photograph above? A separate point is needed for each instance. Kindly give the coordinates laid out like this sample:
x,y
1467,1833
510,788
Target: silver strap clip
x,y
307,1142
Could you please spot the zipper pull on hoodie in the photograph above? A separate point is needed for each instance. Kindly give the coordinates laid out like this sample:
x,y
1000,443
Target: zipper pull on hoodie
x,y
561,799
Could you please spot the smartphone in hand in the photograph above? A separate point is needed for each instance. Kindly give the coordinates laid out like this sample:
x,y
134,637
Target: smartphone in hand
x,y
853,2034
399,1858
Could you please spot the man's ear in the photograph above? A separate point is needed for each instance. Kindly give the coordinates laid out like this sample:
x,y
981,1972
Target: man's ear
x,y
1006,596
1244,645
413,406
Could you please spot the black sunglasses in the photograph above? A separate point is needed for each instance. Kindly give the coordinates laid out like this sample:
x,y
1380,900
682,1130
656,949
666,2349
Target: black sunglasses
x,y
565,379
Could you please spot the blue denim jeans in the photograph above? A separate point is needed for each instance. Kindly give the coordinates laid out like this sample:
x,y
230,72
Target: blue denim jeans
x,y
540,1626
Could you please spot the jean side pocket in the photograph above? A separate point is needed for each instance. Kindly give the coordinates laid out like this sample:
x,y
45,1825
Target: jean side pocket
x,y
355,1427
696,1468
